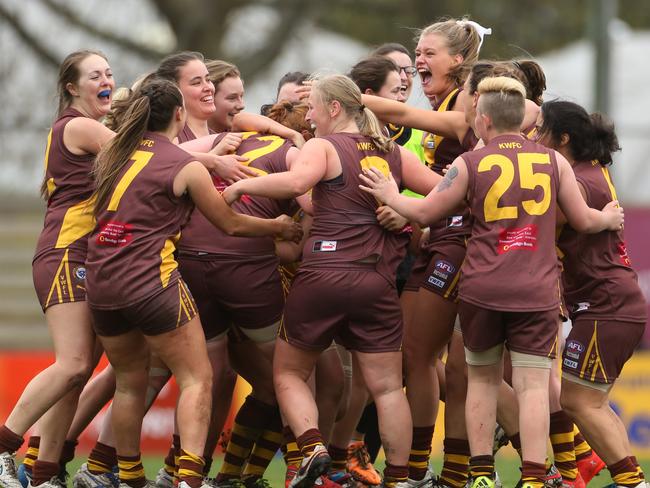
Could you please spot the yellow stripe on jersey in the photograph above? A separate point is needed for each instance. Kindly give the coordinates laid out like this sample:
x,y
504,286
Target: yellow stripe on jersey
x,y
56,282
430,155
77,223
51,186
608,179
168,264
140,160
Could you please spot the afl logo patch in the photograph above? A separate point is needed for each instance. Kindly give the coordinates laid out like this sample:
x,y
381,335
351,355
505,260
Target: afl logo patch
x,y
80,273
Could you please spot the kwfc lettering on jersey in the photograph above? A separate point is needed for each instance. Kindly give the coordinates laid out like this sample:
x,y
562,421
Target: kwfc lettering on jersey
x,y
510,145
366,146
147,142
324,246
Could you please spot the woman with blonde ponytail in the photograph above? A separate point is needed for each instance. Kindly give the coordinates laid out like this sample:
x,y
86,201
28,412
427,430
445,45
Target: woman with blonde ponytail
x,y
345,287
145,190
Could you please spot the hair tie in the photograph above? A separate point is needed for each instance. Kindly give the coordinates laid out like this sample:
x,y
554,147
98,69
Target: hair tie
x,y
480,30
362,108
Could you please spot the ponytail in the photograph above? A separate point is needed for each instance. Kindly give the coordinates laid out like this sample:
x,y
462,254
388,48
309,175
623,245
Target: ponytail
x,y
606,141
369,126
151,108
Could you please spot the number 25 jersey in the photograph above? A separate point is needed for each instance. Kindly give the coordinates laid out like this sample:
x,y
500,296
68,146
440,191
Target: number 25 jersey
x,y
511,264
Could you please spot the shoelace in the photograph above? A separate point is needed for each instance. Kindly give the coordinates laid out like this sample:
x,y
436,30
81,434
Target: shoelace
x,y
10,466
362,455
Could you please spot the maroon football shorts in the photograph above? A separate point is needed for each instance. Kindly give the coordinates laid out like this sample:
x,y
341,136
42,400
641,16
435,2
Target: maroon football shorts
x,y
356,307
60,276
164,311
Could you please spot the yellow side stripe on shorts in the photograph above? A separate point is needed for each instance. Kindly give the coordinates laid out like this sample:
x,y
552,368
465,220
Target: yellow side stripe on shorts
x,y
56,285
181,306
188,295
452,286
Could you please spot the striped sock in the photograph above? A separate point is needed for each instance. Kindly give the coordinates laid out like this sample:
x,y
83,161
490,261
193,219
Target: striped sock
x,y
31,455
43,471
625,473
533,474
455,466
170,463
102,459
339,457
481,466
249,423
308,441
638,468
265,448
395,474
290,449
582,447
515,440
420,451
131,471
190,469
561,435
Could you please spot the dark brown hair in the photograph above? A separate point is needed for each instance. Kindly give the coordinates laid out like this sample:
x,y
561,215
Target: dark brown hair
x,y
170,66
371,73
69,73
152,108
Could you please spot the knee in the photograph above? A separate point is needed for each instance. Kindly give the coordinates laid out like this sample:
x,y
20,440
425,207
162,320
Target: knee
x,y
570,403
76,370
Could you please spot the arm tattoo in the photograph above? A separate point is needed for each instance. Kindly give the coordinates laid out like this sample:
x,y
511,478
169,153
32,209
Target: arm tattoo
x,y
448,179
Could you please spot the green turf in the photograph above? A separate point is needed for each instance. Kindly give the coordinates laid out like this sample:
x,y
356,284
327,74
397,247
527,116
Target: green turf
x,y
507,466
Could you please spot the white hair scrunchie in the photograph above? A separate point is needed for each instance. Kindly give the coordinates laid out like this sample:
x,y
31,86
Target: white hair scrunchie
x,y
482,31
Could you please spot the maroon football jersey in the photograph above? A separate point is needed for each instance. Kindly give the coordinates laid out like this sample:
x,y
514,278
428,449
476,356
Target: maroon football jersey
x,y
598,277
131,251
345,227
511,263
68,218
266,154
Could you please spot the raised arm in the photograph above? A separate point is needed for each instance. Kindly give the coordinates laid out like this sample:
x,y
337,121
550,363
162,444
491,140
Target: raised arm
x,y
578,214
245,121
447,124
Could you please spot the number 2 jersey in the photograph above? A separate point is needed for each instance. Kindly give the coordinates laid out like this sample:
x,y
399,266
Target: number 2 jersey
x,y
345,228
511,262
131,251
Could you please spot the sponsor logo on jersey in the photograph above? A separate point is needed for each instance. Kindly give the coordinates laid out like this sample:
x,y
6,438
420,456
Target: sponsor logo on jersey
x,y
114,234
436,282
515,239
572,355
570,364
80,272
622,254
455,221
574,346
325,246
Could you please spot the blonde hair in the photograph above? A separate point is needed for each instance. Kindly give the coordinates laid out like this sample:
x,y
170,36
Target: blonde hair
x,y
461,38
503,100
347,93
219,70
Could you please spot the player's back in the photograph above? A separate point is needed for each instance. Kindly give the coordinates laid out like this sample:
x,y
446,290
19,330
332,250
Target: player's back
x,y
512,191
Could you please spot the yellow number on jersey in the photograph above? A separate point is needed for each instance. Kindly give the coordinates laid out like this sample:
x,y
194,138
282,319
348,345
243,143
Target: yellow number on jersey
x,y
375,162
140,160
491,207
528,180
274,143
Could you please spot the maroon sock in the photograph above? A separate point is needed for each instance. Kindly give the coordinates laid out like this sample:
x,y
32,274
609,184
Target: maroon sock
x,y
308,440
43,471
533,472
67,453
9,441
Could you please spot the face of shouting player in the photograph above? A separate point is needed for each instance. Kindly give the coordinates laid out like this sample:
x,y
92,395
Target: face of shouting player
x,y
92,93
228,102
197,89
433,62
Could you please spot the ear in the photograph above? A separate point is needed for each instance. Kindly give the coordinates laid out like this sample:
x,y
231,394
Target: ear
x,y
458,59
368,91
72,89
179,113
564,139
475,99
335,108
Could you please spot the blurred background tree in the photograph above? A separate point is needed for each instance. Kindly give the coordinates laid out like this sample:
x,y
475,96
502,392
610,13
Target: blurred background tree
x,y
203,25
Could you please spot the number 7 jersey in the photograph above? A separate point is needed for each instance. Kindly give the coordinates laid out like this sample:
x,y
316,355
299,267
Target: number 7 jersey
x,y
511,264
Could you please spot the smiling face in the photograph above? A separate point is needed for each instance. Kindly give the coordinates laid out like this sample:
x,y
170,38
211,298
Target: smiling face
x,y
197,89
392,88
228,102
404,63
433,62
318,115
92,92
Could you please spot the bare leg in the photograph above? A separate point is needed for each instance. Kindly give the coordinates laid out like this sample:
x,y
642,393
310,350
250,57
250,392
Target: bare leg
x,y
329,390
531,387
480,410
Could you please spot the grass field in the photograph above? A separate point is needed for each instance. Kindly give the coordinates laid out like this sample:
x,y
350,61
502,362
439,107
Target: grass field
x,y
507,466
